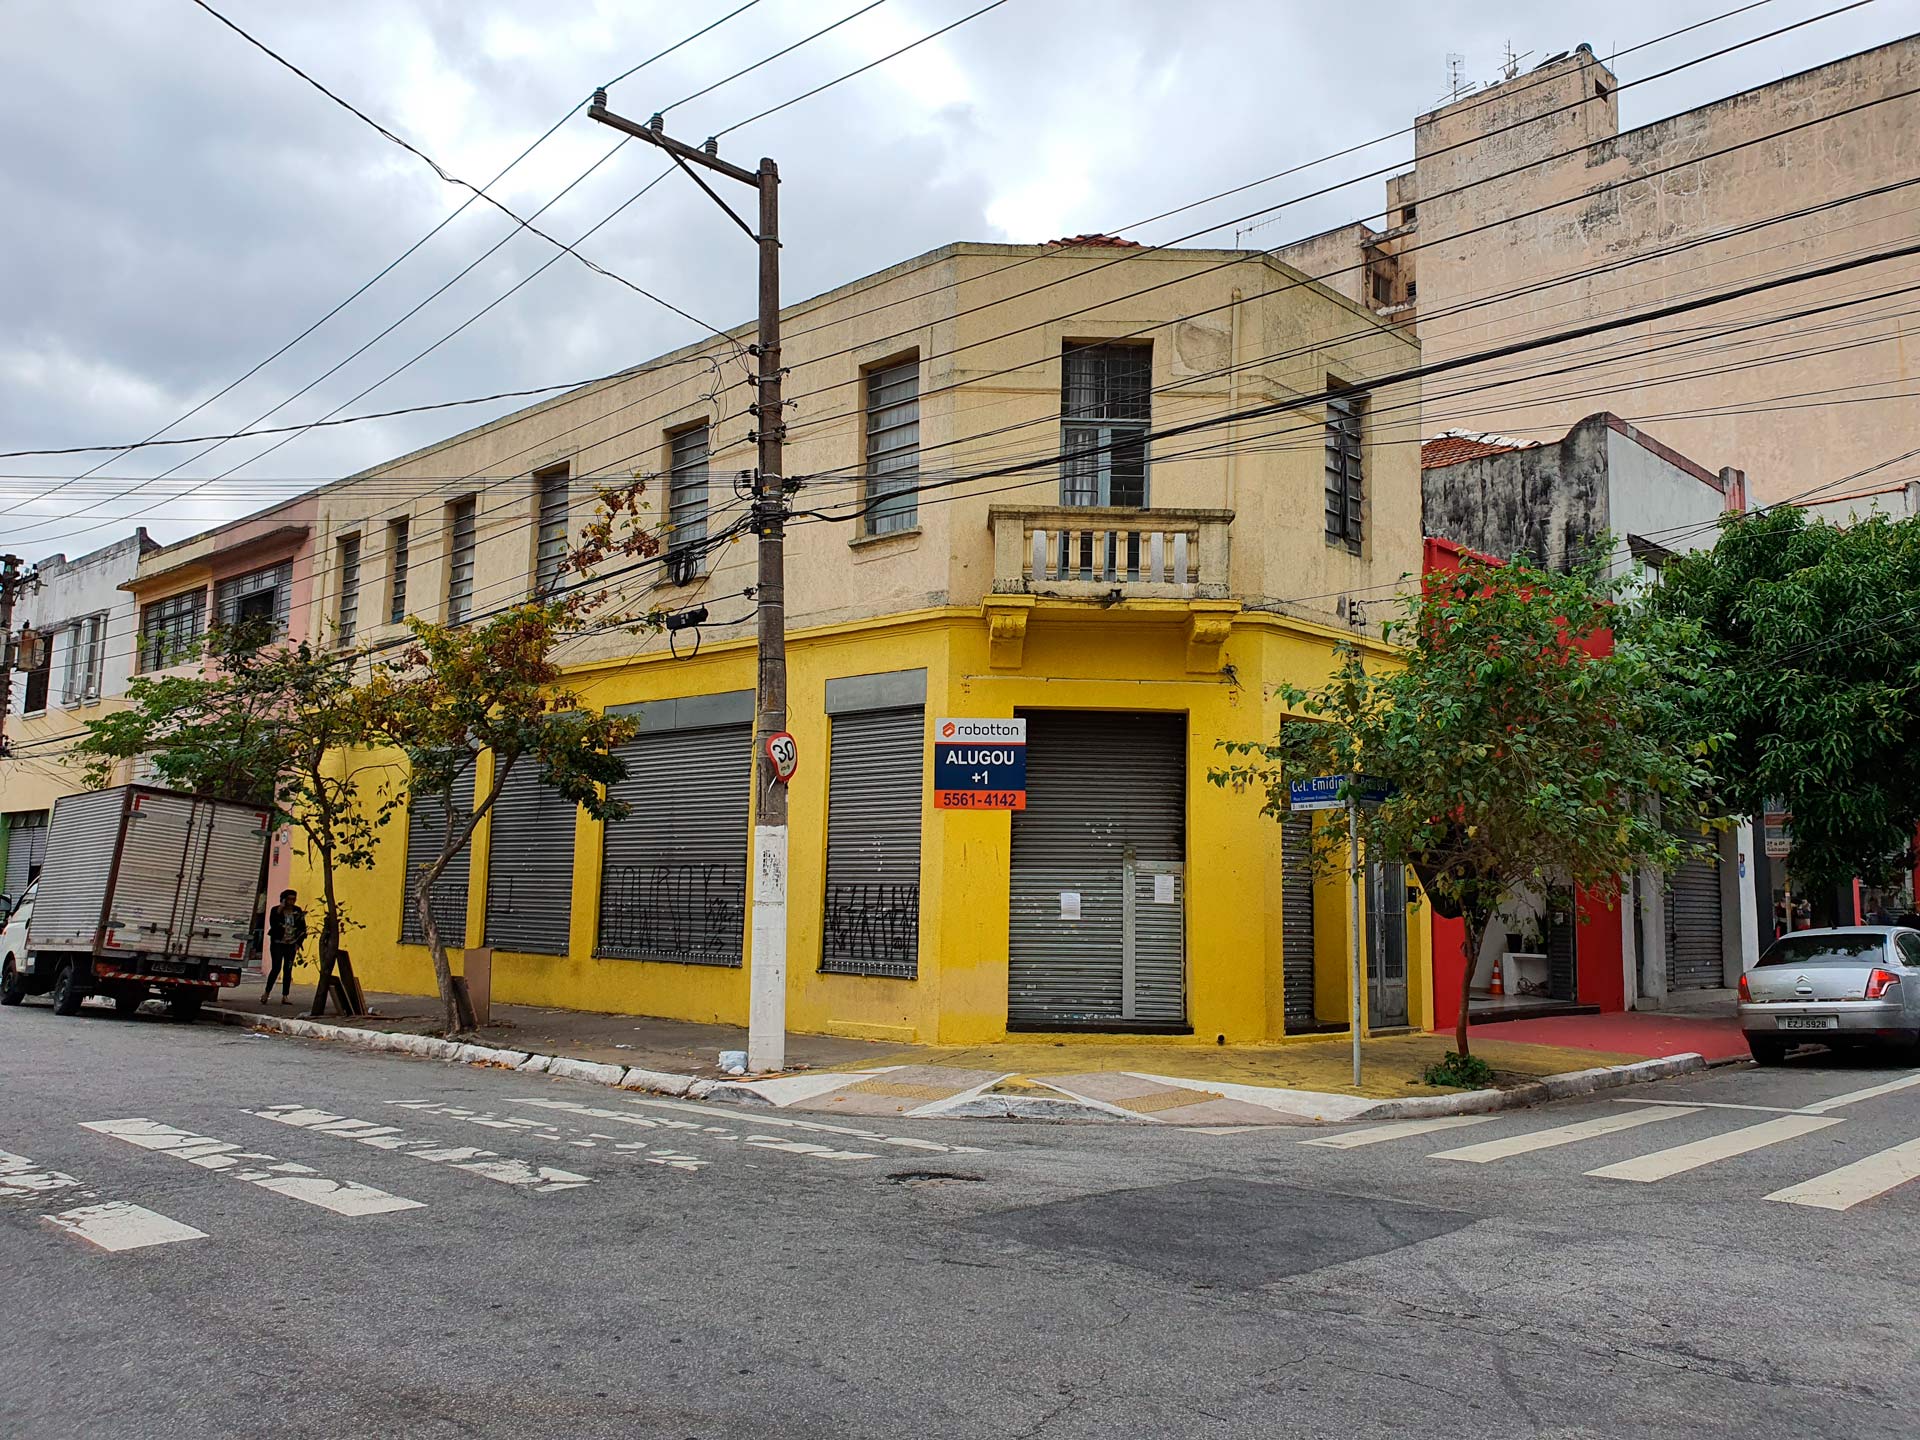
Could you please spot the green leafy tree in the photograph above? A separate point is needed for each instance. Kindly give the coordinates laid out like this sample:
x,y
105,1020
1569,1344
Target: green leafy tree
x,y
458,692
265,723
1810,630
1533,731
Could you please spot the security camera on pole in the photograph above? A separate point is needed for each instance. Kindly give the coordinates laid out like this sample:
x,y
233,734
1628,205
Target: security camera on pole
x,y
775,755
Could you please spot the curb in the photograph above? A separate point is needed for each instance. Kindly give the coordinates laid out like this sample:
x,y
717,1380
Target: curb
x,y
1553,1087
983,1107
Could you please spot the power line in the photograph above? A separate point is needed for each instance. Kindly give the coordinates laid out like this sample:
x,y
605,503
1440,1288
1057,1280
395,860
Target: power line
x,y
709,89
452,179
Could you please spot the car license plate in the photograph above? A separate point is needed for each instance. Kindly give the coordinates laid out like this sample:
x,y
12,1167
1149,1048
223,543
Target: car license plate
x,y
1809,1022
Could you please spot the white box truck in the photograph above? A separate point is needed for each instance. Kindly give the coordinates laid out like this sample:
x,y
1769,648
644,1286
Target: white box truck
x,y
143,892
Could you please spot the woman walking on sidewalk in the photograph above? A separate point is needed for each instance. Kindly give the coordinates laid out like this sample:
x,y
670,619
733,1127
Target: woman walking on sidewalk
x,y
286,933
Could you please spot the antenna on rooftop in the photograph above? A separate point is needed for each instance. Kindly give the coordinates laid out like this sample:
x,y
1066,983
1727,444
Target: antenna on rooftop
x,y
1456,74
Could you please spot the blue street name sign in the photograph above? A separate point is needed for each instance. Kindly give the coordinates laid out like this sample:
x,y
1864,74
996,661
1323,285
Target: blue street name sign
x,y
1322,792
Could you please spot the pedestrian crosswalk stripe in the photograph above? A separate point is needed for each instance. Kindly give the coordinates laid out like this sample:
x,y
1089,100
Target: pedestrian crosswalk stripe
x,y
21,1176
1872,1092
1396,1130
1846,1187
541,1179
282,1177
1691,1156
1563,1134
115,1225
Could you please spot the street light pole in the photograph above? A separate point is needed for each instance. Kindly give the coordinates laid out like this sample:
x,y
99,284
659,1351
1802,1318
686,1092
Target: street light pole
x,y
767,957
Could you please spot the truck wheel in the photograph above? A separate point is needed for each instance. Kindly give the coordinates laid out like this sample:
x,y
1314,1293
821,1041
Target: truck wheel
x,y
12,988
185,1008
68,989
127,1002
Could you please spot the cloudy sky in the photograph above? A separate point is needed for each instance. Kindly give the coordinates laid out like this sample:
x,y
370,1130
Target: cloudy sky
x,y
178,207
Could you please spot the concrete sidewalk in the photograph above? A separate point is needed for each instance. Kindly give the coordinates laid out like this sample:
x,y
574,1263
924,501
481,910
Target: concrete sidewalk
x,y
1113,1078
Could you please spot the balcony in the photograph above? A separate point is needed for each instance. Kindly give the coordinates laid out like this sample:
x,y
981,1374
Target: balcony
x,y
1109,553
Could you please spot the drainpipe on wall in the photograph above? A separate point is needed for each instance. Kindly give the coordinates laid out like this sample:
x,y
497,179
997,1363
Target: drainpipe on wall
x,y
1233,399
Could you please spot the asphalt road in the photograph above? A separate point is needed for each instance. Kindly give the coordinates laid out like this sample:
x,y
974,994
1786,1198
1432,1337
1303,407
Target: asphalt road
x,y
328,1244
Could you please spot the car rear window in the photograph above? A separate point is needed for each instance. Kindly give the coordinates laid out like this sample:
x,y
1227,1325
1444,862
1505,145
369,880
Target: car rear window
x,y
1812,949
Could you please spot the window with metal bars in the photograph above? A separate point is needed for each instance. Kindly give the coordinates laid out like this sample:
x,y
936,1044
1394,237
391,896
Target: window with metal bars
x,y
550,551
347,619
258,605
170,628
686,502
1106,408
1345,496
396,571
893,447
86,656
460,547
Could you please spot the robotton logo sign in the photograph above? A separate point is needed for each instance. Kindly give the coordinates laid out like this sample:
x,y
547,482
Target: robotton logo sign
x,y
1005,732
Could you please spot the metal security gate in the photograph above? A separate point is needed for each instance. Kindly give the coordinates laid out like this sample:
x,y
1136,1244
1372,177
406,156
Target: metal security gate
x,y
876,764
26,849
530,866
1562,954
1296,921
1097,932
1386,945
673,883
426,832
1695,958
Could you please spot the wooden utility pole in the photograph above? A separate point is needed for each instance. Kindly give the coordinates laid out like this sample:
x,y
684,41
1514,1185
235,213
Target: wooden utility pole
x,y
767,957
10,583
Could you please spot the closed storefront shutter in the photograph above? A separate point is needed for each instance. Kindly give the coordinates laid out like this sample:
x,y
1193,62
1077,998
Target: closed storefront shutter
x,y
426,830
876,764
1296,920
1097,893
1694,955
674,879
26,849
530,866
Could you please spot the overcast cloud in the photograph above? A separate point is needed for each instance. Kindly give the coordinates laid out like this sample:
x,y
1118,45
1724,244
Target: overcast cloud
x,y
176,206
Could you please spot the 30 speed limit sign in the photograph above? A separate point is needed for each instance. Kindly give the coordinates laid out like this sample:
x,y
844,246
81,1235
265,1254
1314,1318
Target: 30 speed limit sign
x,y
784,755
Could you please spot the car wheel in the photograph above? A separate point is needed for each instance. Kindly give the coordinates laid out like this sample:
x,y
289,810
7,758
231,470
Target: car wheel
x,y
128,1001
12,988
68,989
1766,1052
184,1008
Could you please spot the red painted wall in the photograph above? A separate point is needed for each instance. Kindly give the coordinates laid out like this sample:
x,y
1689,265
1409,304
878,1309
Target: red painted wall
x,y
1600,977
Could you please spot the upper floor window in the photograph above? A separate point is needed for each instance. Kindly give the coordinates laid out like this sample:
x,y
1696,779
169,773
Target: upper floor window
x,y
86,659
347,619
40,677
1106,408
893,447
460,547
170,629
550,551
396,571
259,602
1345,413
686,502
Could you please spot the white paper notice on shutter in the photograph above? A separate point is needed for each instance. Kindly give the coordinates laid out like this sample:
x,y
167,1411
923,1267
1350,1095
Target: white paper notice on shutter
x,y
1163,890
1069,904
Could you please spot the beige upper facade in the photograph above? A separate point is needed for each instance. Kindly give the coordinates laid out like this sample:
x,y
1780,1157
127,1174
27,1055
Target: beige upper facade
x,y
1528,212
945,373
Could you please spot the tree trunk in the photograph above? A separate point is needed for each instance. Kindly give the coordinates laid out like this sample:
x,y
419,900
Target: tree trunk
x,y
1474,927
329,931
442,972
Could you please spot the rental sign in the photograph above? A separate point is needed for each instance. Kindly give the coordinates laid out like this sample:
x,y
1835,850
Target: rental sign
x,y
979,764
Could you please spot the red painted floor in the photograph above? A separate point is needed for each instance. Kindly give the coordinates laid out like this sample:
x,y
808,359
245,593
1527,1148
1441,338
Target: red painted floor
x,y
1628,1033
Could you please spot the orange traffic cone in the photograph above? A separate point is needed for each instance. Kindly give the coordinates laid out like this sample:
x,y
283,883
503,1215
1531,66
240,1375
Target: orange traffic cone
x,y
1495,986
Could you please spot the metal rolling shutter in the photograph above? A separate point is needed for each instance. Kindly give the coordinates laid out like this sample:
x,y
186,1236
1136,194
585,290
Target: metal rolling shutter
x,y
674,877
26,848
1694,957
1296,921
1562,977
530,866
876,769
1105,791
426,829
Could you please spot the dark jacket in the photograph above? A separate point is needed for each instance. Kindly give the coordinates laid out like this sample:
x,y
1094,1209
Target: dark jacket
x,y
287,925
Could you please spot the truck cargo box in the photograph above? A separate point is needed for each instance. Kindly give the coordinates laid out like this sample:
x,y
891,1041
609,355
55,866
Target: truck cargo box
x,y
142,871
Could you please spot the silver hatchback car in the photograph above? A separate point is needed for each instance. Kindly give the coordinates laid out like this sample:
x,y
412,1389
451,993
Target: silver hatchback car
x,y
1854,985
